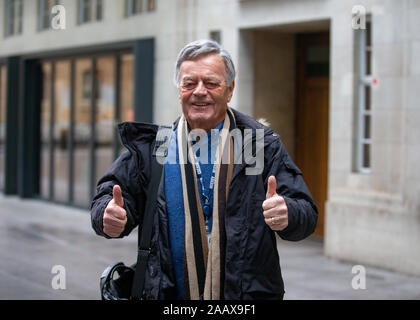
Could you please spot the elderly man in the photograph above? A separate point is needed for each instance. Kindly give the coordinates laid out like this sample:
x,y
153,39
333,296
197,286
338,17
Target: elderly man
x,y
214,235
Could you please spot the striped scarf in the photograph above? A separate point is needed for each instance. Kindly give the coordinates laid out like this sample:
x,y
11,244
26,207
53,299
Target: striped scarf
x,y
203,264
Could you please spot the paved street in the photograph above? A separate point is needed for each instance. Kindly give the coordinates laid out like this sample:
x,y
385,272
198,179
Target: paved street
x,y
36,235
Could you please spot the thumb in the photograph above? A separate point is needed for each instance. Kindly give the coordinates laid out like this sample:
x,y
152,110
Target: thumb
x,y
271,187
117,196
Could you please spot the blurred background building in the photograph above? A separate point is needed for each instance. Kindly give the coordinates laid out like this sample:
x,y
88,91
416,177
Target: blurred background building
x,y
337,79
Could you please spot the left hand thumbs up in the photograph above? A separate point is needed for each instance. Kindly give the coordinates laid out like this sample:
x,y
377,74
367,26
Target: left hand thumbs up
x,y
274,206
271,187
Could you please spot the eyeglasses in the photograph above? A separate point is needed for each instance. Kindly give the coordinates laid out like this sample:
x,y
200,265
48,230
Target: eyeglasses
x,y
188,85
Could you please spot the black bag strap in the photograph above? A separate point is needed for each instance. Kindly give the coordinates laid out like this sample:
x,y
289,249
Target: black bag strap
x,y
159,147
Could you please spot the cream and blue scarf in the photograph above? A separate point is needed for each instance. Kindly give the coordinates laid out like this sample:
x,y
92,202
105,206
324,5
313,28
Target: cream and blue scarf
x,y
202,264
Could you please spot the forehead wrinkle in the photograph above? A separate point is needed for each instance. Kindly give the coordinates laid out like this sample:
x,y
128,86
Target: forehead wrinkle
x,y
209,65
211,78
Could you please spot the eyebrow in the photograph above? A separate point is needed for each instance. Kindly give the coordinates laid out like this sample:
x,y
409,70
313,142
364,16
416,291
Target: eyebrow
x,y
212,79
188,78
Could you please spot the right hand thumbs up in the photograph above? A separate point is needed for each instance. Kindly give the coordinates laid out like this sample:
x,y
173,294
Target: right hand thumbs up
x,y
117,196
115,216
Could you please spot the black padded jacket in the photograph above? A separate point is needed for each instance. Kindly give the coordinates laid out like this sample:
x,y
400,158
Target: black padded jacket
x,y
252,264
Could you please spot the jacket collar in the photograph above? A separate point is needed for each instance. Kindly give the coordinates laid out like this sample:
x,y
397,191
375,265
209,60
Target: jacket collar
x,y
134,135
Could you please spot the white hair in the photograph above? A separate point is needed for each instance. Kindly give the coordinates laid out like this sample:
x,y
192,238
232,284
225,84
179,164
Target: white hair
x,y
200,48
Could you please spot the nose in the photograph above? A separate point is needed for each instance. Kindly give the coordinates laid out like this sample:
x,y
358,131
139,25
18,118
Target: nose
x,y
200,90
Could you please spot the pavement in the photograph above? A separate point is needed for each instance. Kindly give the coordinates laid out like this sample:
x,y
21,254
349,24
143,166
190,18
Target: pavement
x,y
41,242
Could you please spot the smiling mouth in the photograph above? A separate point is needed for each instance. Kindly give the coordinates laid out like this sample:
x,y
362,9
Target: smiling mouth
x,y
201,104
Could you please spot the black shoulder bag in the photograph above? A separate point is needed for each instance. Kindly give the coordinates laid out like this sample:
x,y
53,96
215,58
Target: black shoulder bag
x,y
130,283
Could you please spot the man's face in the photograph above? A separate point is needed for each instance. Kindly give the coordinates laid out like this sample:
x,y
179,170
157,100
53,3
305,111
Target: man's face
x,y
203,91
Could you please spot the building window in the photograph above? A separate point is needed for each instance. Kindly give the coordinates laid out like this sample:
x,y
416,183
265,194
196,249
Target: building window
x,y
90,10
13,17
364,94
44,13
82,100
99,9
127,88
46,145
216,36
3,80
133,7
151,5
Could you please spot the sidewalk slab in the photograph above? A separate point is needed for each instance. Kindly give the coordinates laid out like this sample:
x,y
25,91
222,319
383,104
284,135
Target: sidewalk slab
x,y
310,275
38,235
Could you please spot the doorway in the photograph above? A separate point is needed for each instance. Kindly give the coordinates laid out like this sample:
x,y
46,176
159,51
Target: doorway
x,y
288,85
311,120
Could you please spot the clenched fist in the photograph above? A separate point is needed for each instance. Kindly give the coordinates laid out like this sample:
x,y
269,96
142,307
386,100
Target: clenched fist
x,y
115,216
274,206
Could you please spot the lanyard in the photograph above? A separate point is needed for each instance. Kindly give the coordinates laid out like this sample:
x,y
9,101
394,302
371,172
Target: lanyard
x,y
208,196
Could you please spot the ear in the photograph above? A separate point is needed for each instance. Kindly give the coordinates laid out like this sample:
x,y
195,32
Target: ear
x,y
230,90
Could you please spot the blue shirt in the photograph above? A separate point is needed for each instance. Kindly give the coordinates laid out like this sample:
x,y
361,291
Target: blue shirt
x,y
175,202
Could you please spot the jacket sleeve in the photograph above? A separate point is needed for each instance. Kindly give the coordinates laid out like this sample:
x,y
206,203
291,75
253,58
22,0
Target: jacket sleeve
x,y
302,210
125,173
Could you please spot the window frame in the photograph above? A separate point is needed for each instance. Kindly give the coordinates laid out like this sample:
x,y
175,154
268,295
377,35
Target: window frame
x,y
136,7
94,14
148,5
364,102
13,17
93,58
3,97
216,35
42,13
98,9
